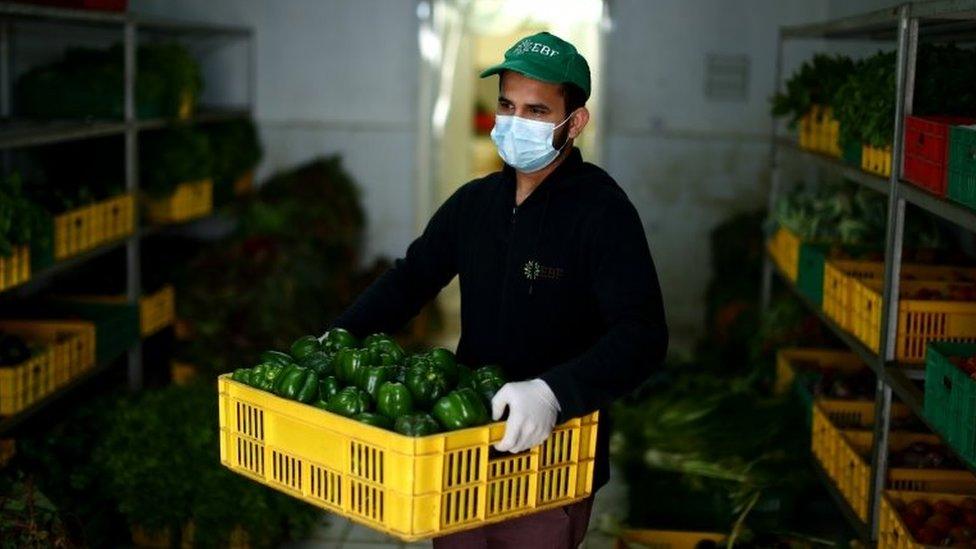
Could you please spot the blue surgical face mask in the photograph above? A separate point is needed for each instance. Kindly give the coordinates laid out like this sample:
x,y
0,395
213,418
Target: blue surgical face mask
x,y
524,144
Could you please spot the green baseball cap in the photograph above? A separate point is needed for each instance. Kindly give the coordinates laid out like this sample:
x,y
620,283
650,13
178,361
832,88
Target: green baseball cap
x,y
548,58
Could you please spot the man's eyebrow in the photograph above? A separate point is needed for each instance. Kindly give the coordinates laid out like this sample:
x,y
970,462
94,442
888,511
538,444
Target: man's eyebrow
x,y
502,98
540,106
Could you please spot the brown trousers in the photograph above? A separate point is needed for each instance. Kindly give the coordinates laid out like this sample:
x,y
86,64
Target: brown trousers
x,y
559,528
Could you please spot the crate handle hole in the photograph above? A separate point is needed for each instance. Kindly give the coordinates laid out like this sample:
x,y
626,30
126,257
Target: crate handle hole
x,y
947,383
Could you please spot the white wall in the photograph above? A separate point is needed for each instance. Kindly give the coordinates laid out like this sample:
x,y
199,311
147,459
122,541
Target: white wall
x,y
332,76
686,162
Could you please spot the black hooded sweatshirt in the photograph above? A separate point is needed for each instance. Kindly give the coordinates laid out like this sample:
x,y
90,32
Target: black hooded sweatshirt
x,y
561,287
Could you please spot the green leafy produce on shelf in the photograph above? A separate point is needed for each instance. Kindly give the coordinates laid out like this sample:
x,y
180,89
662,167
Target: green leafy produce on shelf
x,y
865,103
22,220
170,157
27,517
814,83
236,149
88,83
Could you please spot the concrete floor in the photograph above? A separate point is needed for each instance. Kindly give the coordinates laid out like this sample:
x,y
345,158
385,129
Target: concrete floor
x,y
339,533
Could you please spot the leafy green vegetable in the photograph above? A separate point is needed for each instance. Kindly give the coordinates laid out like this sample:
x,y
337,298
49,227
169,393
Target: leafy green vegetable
x,y
88,82
22,221
170,157
815,83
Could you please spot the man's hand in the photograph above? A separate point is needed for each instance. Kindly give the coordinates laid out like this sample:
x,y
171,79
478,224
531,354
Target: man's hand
x,y
532,409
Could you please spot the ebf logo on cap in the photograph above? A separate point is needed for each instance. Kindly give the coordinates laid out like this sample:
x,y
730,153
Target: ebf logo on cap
x,y
527,45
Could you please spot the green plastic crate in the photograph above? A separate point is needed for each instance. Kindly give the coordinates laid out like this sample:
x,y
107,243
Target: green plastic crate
x,y
810,272
950,397
962,165
851,154
116,325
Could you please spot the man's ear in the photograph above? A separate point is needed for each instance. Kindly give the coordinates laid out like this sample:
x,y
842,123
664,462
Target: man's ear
x,y
578,122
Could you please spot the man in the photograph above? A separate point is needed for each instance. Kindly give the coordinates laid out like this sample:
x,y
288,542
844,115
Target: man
x,y
557,282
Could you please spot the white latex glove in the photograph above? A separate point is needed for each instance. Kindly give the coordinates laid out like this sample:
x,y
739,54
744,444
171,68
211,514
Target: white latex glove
x,y
532,409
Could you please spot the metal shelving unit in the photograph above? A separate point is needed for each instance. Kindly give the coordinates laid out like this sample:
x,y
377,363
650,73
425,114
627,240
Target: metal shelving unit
x,y
27,133
906,25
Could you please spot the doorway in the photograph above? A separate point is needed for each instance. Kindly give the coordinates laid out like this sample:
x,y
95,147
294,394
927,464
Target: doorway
x,y
458,39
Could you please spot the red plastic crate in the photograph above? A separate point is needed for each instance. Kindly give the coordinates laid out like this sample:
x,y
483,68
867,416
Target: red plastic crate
x,y
927,150
103,5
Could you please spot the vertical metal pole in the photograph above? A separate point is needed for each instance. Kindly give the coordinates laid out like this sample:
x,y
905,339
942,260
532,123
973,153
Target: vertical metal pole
x,y
132,262
774,178
905,76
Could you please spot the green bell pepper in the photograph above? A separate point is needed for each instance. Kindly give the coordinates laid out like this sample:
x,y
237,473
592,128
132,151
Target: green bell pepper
x,y
337,339
460,409
445,361
321,404
465,377
373,338
348,362
487,381
304,346
297,383
328,386
349,402
319,361
400,372
376,420
416,425
276,357
264,376
426,383
370,378
384,351
394,400
242,375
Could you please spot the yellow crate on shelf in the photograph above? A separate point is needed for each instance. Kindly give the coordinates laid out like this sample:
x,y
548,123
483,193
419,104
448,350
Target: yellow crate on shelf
x,y
826,435
182,373
244,184
82,229
15,269
919,320
819,131
784,249
157,310
790,359
410,488
67,349
839,288
838,274
189,201
856,480
8,449
666,539
892,531
876,160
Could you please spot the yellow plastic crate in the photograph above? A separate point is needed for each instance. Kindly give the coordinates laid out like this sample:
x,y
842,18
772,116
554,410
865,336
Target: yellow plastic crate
x,y
82,229
15,269
876,160
805,130
665,539
244,184
919,321
8,449
410,488
787,360
182,373
856,481
819,131
892,532
839,288
784,249
68,349
157,310
189,201
827,442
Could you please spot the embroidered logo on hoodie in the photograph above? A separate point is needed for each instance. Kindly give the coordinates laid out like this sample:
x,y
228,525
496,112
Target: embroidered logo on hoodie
x,y
533,270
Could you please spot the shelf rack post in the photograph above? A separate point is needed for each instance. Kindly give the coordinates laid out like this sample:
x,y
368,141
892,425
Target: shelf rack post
x,y
132,259
774,177
895,232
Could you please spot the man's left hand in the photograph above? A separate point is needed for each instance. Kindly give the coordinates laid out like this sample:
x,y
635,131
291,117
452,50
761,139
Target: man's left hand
x,y
532,409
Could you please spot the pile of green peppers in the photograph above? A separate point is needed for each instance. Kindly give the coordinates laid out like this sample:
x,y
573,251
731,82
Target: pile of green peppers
x,y
375,382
